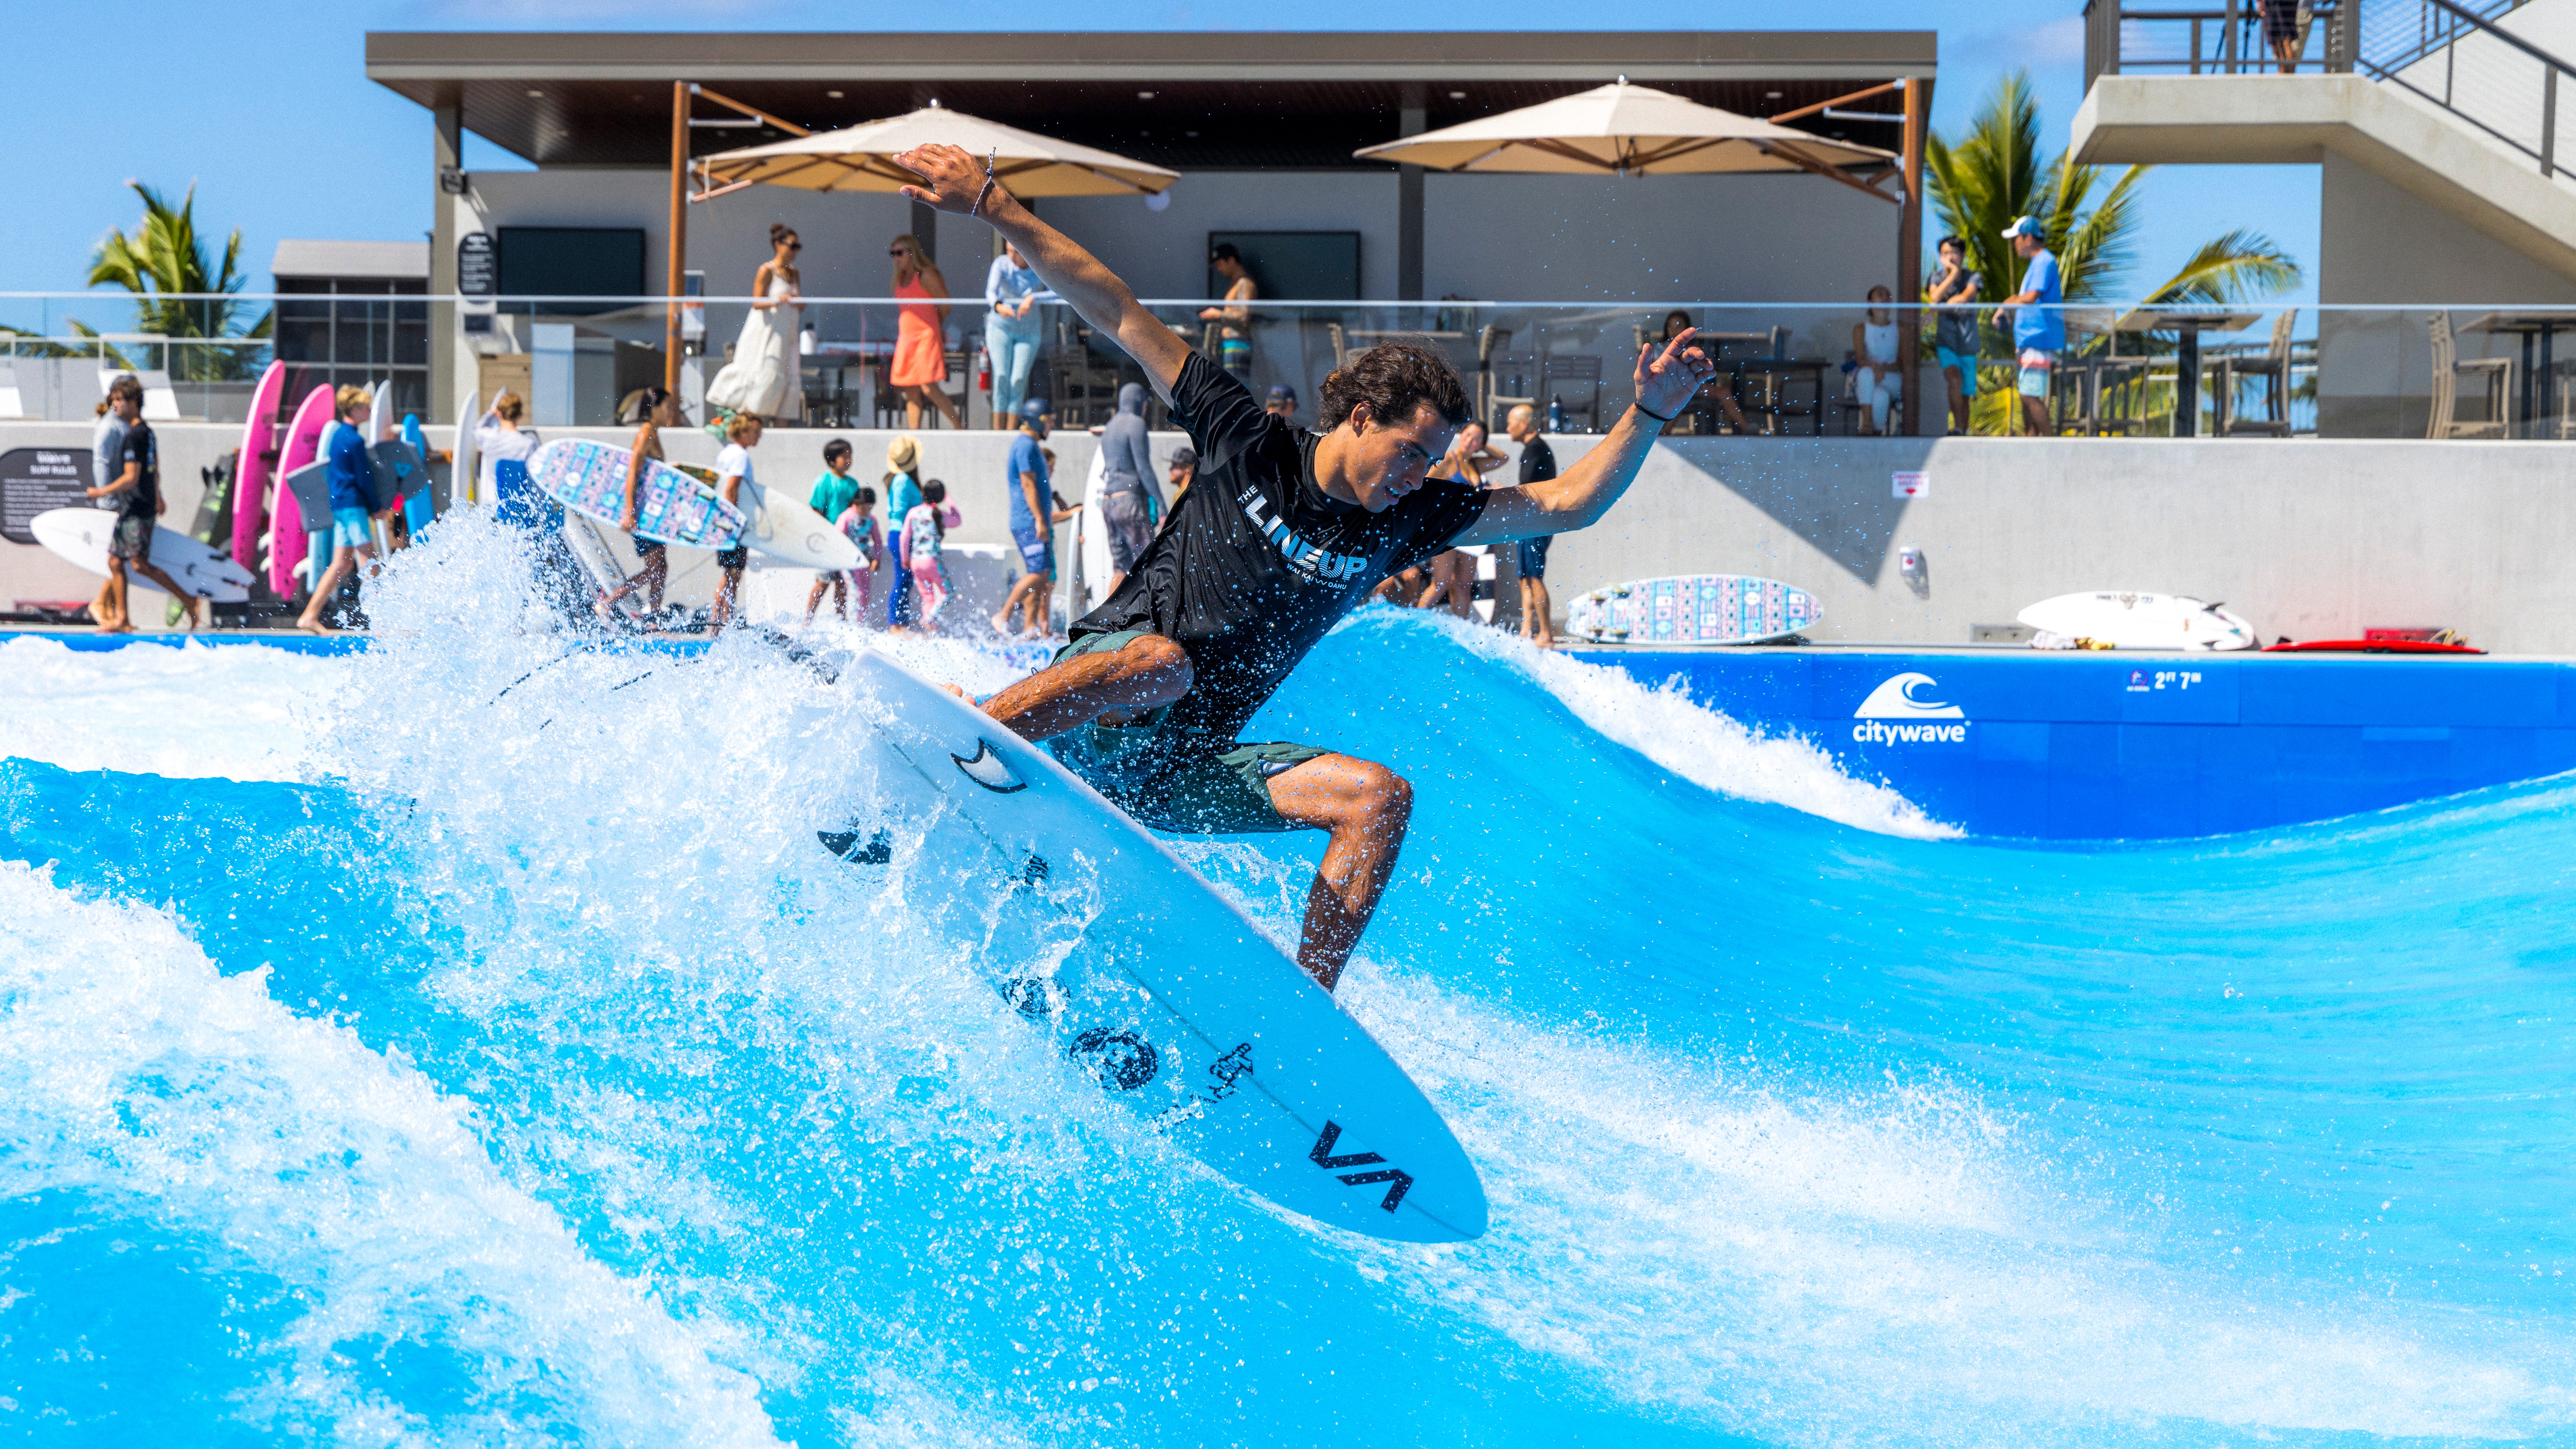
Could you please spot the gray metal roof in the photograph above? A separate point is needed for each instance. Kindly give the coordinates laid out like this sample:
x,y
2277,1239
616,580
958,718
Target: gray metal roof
x,y
1195,100
351,259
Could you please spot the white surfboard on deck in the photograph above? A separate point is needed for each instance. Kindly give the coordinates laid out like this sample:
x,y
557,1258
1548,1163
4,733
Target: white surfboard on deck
x,y
79,537
2127,619
1168,994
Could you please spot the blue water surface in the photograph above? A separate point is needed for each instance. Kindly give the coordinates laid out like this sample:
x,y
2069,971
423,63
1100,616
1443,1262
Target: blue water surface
x,y
528,1075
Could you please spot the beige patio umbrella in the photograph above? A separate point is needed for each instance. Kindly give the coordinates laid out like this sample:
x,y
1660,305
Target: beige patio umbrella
x,y
861,158
1631,130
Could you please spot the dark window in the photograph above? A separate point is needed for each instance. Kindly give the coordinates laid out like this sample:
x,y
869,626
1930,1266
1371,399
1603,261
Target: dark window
x,y
1311,266
571,261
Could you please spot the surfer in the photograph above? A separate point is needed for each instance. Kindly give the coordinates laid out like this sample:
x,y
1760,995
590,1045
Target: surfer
x,y
1283,533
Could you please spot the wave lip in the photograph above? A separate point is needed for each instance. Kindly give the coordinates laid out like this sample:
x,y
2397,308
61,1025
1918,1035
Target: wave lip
x,y
1702,745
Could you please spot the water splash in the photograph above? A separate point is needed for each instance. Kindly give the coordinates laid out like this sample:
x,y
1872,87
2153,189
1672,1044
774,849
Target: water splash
x,y
1796,1132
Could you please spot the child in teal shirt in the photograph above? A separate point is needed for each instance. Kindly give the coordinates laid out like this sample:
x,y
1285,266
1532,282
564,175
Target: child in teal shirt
x,y
833,493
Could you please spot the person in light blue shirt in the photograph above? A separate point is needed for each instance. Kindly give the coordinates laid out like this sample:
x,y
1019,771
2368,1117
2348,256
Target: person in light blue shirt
x,y
2039,323
1011,331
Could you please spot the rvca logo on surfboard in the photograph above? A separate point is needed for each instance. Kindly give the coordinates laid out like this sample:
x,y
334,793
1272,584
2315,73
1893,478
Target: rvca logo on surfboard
x,y
1305,559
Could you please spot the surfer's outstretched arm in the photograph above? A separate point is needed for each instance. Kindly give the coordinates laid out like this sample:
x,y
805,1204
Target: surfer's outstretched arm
x,y
955,182
1578,497
1146,672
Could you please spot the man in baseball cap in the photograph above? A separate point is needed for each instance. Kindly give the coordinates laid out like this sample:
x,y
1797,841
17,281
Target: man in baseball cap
x,y
2039,325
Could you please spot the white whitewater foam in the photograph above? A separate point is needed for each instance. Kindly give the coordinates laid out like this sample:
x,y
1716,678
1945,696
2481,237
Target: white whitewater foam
x,y
238,711
129,1066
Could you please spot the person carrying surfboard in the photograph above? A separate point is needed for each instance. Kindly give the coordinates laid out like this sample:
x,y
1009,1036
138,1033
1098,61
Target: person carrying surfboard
x,y
1284,532
136,487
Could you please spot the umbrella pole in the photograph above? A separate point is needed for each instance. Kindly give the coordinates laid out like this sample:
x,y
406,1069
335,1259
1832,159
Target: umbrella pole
x,y
679,235
1909,260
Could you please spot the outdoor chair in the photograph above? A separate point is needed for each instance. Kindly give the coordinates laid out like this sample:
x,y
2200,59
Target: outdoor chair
x,y
2494,374
2562,391
1510,380
1564,374
2270,367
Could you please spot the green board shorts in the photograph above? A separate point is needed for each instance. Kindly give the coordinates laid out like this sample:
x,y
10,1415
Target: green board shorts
x,y
1168,787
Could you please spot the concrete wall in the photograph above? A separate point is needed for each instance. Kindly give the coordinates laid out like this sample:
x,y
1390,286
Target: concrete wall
x,y
2308,539
2382,244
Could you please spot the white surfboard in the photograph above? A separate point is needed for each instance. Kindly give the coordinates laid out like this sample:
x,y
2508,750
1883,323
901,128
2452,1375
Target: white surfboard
x,y
785,529
589,543
1174,1001
462,478
1083,586
2132,620
79,537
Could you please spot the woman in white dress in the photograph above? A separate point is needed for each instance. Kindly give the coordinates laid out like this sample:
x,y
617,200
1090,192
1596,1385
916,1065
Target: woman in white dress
x,y
764,377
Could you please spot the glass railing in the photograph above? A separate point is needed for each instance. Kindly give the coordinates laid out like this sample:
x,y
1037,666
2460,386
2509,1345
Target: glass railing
x,y
1786,369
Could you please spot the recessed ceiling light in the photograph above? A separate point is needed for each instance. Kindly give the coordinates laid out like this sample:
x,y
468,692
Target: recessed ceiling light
x,y
835,95
532,95
1144,95
1457,95
1770,95
1193,135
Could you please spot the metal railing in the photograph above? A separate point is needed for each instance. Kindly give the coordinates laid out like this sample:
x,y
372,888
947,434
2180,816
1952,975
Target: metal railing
x,y
2456,55
1787,369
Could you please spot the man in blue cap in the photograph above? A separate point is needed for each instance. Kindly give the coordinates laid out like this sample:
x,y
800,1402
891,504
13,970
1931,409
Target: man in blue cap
x,y
1033,524
2039,326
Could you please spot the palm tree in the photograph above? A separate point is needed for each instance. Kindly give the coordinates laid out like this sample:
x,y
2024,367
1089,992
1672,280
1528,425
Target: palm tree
x,y
1995,172
165,257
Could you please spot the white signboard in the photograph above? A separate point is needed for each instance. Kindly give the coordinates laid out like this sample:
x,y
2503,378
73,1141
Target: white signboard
x,y
1910,485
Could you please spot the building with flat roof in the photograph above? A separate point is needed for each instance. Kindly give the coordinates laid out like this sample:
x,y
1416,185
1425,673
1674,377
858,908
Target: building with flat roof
x,y
348,312
1260,126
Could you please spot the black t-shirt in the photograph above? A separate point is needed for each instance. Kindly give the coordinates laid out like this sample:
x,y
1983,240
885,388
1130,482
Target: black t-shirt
x,y
143,500
1538,461
1257,562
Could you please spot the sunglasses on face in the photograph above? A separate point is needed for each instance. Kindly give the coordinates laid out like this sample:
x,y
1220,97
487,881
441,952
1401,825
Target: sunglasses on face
x,y
796,246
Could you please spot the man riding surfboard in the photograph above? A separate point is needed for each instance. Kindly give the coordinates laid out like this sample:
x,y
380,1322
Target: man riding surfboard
x,y
1283,532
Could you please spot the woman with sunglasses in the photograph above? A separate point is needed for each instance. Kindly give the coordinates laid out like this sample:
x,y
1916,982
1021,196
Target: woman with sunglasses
x,y
921,336
764,377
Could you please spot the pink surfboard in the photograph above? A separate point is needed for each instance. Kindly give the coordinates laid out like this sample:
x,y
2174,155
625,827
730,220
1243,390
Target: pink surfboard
x,y
251,473
286,521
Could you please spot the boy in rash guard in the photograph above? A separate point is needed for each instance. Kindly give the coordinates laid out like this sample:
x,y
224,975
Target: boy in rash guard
x,y
1284,532
352,491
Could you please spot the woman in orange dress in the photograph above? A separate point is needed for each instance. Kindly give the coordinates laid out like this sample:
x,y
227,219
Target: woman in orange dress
x,y
921,339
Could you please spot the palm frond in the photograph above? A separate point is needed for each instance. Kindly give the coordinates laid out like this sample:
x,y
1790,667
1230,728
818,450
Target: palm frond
x,y
2239,266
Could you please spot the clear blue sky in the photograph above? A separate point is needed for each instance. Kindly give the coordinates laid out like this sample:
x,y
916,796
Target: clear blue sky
x,y
266,107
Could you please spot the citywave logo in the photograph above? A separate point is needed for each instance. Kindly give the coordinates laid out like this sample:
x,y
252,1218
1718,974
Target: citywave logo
x,y
1913,698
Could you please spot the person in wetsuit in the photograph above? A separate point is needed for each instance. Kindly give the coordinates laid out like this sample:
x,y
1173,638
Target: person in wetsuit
x,y
1282,532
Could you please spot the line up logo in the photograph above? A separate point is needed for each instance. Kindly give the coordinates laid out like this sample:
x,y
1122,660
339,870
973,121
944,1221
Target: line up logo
x,y
1903,710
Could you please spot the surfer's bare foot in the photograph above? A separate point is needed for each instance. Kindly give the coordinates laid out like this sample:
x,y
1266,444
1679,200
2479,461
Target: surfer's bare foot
x,y
116,626
196,613
314,626
1002,625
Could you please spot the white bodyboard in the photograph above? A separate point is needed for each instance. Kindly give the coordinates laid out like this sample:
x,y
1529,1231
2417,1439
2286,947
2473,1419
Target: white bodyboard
x,y
1169,995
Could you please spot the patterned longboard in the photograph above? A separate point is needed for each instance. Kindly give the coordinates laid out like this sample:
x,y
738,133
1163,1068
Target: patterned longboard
x,y
590,479
1692,609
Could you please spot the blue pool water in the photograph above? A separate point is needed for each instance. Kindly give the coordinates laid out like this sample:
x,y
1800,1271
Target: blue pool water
x,y
460,1054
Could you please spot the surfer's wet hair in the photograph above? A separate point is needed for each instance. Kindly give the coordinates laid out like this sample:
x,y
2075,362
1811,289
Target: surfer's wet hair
x,y
1395,378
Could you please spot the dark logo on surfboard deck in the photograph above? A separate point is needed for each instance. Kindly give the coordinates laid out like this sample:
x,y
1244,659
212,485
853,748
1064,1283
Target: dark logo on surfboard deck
x,y
1229,1071
1397,1179
990,771
1122,1060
